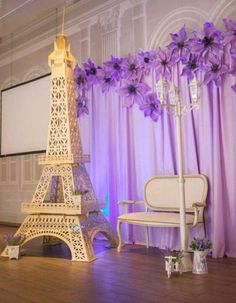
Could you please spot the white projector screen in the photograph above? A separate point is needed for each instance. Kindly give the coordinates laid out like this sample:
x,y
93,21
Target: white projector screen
x,y
24,121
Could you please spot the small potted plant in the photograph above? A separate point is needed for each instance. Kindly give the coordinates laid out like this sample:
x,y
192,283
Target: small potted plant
x,y
77,194
200,247
13,245
172,261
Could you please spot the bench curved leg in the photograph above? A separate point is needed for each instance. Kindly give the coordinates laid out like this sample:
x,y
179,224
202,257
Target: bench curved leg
x,y
147,236
119,235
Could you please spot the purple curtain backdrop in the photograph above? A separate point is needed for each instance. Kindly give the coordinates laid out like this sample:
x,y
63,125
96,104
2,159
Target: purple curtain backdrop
x,y
126,149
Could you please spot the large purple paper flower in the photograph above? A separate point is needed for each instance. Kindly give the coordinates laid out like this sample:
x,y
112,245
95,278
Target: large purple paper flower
x,y
192,65
163,64
209,41
146,60
80,78
82,107
151,106
230,36
133,92
179,47
234,87
114,67
131,68
91,71
106,79
214,70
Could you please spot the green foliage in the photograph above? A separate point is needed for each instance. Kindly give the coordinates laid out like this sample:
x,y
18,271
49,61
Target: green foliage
x,y
13,240
199,244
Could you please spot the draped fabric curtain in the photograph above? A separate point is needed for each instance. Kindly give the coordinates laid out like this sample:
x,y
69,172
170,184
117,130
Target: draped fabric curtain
x,y
127,148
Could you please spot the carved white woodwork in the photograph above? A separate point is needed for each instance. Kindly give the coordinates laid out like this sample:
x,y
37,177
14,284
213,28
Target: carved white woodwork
x,y
161,203
52,211
35,72
109,19
3,172
109,26
9,82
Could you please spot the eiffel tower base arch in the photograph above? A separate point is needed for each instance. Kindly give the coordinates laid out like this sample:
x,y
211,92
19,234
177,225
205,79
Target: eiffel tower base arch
x,y
76,231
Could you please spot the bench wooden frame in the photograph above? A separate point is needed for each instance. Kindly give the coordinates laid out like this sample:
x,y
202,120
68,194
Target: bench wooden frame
x,y
161,201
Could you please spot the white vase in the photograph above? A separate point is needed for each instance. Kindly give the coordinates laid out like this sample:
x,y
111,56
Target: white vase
x,y
13,251
200,262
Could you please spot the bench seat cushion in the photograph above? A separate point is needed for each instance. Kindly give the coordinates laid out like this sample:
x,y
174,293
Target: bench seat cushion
x,y
155,218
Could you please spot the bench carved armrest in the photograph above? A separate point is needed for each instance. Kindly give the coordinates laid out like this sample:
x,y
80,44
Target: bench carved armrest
x,y
198,211
198,204
125,203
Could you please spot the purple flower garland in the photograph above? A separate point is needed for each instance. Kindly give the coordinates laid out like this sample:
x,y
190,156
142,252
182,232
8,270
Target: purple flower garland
x,y
202,53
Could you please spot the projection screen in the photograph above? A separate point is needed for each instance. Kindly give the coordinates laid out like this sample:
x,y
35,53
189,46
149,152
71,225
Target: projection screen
x,y
24,117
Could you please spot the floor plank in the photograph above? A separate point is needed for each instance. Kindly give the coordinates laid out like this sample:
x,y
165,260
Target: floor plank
x,y
45,274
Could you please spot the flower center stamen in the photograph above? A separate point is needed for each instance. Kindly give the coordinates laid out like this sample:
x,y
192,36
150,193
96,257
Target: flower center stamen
x,y
192,65
116,66
164,62
132,89
132,67
207,41
180,44
80,80
215,68
93,71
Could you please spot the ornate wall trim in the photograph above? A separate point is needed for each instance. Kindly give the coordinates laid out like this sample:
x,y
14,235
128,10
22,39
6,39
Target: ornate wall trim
x,y
224,9
34,72
109,22
10,81
172,21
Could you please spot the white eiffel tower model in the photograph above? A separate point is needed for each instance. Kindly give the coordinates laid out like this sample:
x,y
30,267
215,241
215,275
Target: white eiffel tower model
x,y
73,221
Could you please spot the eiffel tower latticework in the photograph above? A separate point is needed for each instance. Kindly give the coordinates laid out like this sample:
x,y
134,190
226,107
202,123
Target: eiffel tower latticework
x,y
59,214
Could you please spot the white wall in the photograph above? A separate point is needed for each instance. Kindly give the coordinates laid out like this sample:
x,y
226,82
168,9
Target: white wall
x,y
112,27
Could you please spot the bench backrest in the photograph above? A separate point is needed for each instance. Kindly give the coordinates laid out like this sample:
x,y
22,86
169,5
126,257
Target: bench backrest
x,y
162,193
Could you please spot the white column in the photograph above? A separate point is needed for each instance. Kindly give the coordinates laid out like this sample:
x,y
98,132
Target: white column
x,y
109,25
186,259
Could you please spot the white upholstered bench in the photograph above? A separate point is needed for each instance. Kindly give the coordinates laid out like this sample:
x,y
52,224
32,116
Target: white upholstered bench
x,y
161,201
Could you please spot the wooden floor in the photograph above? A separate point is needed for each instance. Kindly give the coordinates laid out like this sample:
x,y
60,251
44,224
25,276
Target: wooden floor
x,y
46,275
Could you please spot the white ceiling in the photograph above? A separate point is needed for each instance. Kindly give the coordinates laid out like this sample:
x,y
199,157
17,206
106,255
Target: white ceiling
x,y
18,15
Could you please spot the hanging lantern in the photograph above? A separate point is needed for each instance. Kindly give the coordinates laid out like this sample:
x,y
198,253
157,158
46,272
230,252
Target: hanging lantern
x,y
194,87
161,90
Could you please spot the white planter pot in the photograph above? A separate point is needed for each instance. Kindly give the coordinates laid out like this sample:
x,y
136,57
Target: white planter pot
x,y
77,199
199,262
171,265
13,251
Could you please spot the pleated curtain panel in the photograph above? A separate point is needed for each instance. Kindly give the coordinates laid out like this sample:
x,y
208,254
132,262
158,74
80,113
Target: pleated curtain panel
x,y
127,148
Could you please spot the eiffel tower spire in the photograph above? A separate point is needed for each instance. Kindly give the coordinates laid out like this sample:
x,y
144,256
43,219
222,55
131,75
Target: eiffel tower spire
x,y
75,221
64,143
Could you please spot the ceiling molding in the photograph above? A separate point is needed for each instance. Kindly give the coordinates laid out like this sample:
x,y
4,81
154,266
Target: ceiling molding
x,y
47,38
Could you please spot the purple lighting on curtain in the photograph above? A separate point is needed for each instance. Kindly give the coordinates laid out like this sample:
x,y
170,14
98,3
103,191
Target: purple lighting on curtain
x,y
127,149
